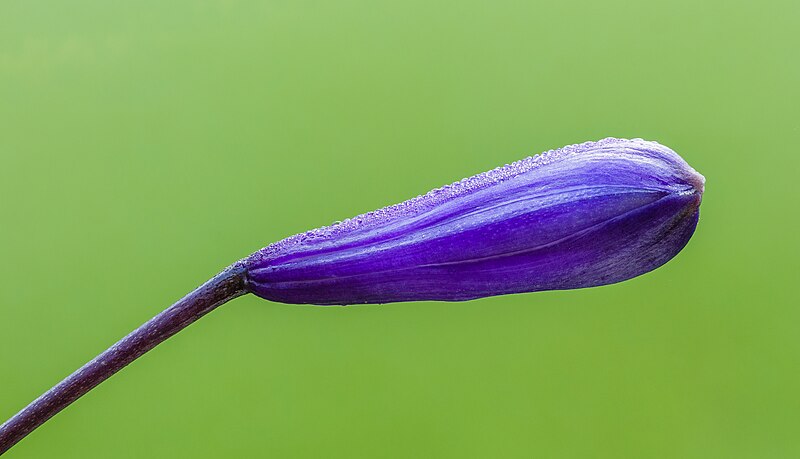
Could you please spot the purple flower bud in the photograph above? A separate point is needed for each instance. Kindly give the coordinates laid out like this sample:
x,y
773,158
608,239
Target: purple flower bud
x,y
580,216
583,215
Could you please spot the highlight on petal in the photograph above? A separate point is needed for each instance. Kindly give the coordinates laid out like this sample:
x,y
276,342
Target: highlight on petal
x,y
584,215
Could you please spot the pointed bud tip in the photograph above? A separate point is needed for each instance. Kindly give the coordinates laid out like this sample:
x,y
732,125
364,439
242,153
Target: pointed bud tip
x,y
698,182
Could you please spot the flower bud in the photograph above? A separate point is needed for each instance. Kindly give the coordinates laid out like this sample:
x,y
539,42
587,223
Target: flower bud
x,y
580,216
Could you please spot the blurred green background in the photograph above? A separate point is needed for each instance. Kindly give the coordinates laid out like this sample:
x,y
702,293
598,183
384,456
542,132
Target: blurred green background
x,y
146,145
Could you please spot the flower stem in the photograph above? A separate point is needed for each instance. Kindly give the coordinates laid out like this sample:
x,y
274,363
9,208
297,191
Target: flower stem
x,y
224,287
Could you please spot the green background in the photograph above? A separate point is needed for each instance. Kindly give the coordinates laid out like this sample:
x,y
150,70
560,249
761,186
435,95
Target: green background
x,y
146,145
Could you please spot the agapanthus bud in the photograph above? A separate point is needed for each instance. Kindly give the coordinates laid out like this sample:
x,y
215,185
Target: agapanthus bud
x,y
580,216
583,215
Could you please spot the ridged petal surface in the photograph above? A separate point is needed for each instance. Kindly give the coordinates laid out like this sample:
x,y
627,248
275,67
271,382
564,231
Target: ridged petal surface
x,y
580,216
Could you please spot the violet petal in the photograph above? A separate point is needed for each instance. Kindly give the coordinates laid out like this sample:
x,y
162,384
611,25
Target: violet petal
x,y
580,216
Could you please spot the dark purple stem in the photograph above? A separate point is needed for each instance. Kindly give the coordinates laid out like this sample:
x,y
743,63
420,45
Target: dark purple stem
x,y
223,287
